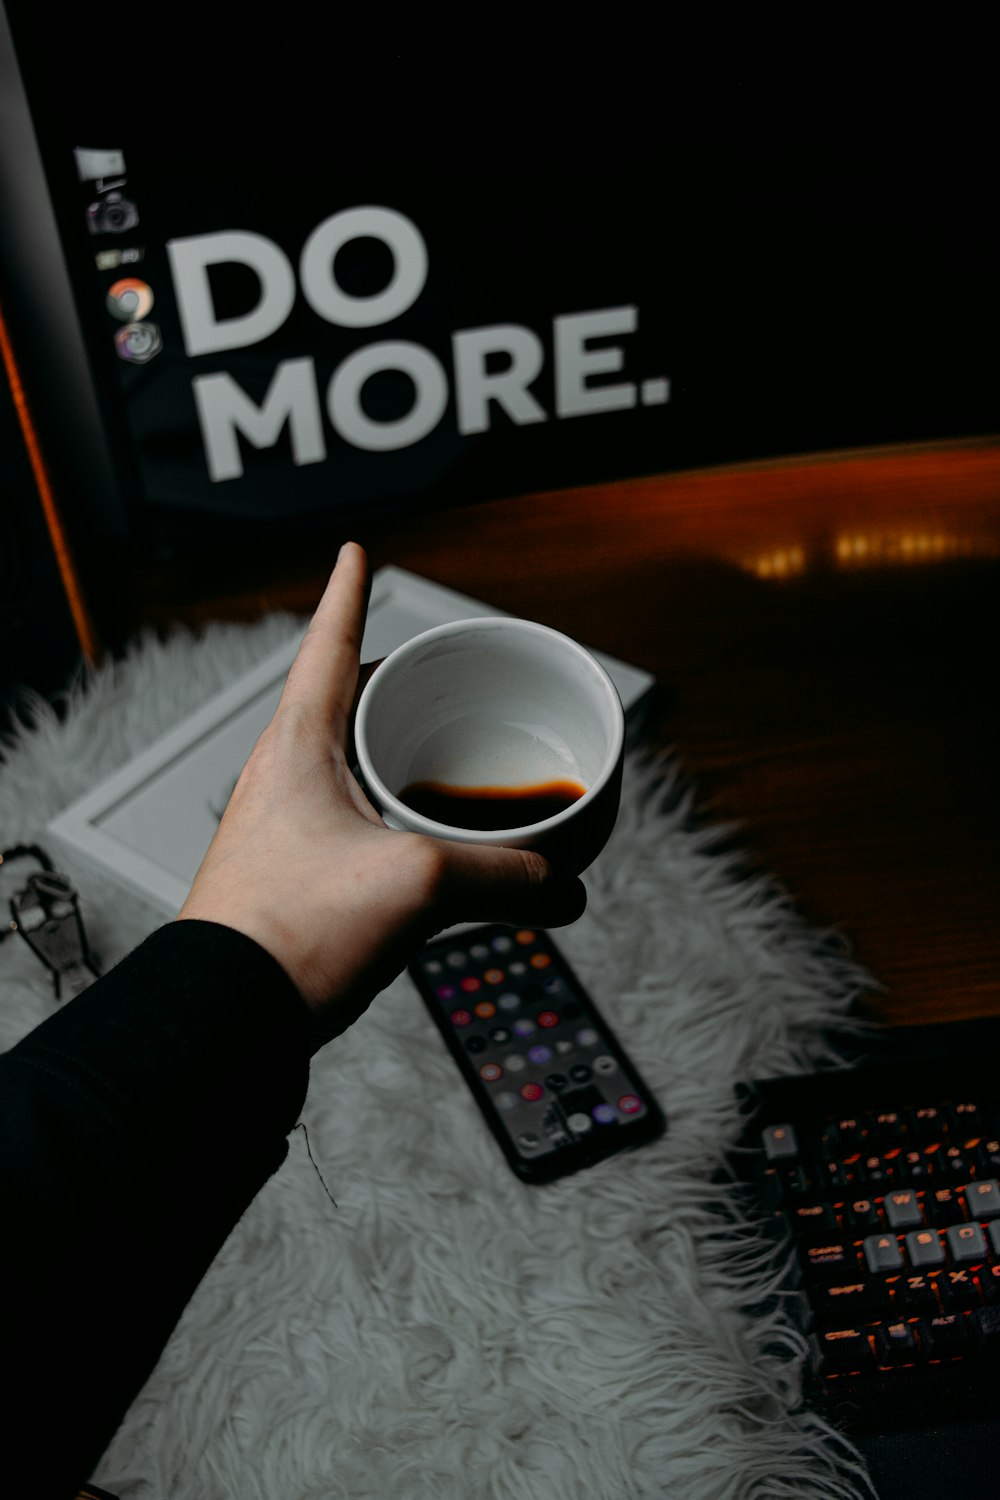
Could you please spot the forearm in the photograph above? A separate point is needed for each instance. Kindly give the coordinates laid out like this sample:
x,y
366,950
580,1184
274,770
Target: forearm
x,y
137,1125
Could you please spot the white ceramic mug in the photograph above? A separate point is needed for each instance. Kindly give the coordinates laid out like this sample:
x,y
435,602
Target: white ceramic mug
x,y
502,705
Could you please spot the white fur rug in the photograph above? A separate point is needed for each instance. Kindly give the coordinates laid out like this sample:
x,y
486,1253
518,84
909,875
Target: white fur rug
x,y
446,1331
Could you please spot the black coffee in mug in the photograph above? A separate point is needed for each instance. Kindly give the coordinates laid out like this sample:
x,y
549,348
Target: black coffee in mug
x,y
490,807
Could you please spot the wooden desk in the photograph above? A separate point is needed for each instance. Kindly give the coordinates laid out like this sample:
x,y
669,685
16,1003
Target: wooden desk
x,y
822,632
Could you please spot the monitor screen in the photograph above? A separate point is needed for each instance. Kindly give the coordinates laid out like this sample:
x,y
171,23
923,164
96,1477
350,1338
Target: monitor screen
x,y
316,278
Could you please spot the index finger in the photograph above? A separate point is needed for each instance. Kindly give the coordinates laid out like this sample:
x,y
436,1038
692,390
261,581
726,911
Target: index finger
x,y
324,675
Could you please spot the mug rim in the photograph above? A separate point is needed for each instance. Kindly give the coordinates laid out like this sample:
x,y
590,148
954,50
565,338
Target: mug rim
x,y
416,822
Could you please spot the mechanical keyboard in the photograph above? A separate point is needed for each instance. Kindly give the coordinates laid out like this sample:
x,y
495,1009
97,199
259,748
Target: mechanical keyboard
x,y
882,1182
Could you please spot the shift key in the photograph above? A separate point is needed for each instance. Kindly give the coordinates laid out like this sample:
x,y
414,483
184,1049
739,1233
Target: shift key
x,y
840,1302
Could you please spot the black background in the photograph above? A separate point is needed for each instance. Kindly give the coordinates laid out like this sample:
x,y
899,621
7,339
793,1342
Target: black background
x,y
803,221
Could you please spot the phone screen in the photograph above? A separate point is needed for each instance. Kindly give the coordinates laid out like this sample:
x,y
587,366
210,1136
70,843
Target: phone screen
x,y
552,1081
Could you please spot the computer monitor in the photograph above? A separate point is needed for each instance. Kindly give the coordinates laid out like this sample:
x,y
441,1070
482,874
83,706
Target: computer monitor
x,y
264,282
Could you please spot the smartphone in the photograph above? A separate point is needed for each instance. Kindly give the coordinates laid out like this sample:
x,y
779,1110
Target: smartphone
x,y
552,1082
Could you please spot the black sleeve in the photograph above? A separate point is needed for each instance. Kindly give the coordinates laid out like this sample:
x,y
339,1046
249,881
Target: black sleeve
x,y
137,1124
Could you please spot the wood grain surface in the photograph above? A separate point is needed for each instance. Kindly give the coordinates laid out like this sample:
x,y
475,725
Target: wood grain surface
x,y
822,632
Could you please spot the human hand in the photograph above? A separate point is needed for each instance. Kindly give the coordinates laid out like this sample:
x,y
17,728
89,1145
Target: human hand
x,y
303,864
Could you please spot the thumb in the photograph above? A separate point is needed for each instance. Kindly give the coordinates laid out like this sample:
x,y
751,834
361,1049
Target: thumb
x,y
481,883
